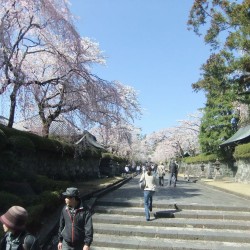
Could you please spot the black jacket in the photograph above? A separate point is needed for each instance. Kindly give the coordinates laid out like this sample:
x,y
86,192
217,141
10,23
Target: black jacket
x,y
76,230
173,168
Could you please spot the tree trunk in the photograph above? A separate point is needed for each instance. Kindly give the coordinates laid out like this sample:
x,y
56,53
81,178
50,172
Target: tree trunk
x,y
45,129
12,105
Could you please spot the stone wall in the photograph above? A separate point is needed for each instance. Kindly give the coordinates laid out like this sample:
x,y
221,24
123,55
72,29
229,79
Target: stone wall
x,y
53,165
60,167
243,173
239,170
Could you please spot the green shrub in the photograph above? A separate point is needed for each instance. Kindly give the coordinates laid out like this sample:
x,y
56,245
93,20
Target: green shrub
x,y
8,200
242,151
31,200
51,200
43,144
8,131
53,145
68,148
3,140
11,175
107,155
87,152
35,216
39,143
60,185
41,183
200,158
8,160
22,143
16,174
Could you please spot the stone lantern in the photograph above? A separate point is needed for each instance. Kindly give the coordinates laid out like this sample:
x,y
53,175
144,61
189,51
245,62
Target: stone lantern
x,y
202,170
202,167
210,170
217,167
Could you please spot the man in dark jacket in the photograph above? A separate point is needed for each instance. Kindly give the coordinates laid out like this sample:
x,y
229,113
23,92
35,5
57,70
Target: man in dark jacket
x,y
172,173
16,237
76,227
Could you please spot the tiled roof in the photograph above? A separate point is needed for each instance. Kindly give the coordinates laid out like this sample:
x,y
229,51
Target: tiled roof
x,y
89,138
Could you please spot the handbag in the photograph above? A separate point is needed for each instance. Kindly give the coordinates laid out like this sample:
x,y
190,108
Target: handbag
x,y
142,184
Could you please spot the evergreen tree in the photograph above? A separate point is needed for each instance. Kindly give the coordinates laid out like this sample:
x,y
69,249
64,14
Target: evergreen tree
x,y
226,74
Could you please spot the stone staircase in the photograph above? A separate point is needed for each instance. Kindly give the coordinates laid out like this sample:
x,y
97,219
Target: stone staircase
x,y
122,225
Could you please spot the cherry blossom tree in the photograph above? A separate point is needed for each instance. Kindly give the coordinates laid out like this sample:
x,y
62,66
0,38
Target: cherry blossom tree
x,y
116,139
160,146
46,66
176,141
26,28
64,82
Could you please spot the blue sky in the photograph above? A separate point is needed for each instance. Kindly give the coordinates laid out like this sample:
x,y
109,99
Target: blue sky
x,y
148,47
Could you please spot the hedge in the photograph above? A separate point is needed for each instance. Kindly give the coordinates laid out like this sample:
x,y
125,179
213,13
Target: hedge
x,y
242,151
200,158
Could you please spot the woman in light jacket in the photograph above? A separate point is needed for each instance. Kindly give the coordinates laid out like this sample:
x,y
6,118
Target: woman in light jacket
x,y
149,191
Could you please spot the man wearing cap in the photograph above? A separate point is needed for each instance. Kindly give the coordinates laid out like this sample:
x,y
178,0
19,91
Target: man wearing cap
x,y
76,227
16,237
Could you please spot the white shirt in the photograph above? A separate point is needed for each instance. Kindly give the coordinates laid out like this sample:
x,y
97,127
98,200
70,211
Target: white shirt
x,y
150,181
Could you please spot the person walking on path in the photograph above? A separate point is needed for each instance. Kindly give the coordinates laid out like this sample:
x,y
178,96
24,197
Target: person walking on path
x,y
127,170
143,168
172,173
76,226
161,173
138,169
177,170
149,191
14,225
154,169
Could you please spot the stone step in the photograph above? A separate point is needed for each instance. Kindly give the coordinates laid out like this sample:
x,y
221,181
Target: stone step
x,y
195,214
172,222
202,220
108,202
152,231
192,227
118,242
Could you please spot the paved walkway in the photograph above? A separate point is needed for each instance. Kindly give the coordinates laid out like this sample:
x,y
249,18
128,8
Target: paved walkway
x,y
228,185
204,202
201,193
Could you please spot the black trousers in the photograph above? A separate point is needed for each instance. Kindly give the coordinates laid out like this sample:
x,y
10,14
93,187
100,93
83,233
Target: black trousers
x,y
161,181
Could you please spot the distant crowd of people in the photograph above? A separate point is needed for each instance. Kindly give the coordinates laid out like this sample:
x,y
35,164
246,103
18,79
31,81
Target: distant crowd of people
x,y
157,170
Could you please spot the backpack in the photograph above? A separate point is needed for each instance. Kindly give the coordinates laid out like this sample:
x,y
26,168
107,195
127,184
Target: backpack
x,y
142,184
25,241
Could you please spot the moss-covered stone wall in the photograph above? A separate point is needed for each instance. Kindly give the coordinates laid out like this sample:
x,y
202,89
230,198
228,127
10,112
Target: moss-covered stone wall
x,y
26,152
